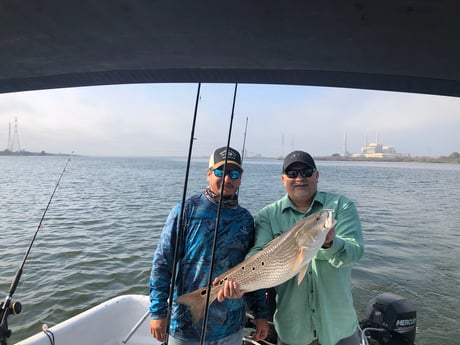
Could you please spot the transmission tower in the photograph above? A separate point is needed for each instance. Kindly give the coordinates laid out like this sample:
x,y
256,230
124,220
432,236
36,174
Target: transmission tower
x,y
14,143
8,147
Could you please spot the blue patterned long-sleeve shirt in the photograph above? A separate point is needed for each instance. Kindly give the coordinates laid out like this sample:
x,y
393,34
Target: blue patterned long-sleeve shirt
x,y
235,237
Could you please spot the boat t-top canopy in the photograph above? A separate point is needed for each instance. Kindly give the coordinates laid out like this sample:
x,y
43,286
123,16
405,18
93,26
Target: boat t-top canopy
x,y
410,46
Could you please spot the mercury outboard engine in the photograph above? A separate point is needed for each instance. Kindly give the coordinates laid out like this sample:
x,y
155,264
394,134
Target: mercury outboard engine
x,y
390,320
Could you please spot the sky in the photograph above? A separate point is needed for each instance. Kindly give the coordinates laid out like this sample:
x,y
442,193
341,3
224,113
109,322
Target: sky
x,y
156,120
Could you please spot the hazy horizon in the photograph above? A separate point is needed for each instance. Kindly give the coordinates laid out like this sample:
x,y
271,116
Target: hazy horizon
x,y
154,120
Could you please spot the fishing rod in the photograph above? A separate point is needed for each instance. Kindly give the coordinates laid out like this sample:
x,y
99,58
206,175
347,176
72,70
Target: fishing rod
x,y
214,244
15,308
242,150
244,140
181,220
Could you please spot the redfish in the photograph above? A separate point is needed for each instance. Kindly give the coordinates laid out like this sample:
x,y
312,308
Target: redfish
x,y
280,260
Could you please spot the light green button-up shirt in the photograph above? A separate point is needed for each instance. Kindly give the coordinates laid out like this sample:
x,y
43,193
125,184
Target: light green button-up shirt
x,y
322,305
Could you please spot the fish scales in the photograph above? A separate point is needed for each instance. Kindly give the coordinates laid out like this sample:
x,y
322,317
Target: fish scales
x,y
270,266
280,260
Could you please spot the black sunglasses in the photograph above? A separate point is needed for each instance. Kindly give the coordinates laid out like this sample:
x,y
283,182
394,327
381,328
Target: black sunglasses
x,y
234,174
307,172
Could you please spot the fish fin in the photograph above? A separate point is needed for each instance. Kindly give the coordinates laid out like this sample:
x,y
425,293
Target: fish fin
x,y
296,266
301,274
196,301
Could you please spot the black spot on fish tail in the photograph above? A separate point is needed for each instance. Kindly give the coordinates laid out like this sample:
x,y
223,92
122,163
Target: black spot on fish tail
x,y
196,302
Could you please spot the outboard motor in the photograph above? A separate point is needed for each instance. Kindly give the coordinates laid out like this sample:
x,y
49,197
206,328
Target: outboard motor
x,y
390,320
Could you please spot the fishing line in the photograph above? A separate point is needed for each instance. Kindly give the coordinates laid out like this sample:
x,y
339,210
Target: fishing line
x,y
181,220
219,207
15,308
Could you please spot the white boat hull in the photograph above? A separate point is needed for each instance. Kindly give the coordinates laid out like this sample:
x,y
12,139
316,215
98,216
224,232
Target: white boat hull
x,y
125,320
108,323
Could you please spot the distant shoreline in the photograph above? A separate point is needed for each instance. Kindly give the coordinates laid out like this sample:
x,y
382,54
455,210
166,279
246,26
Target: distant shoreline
x,y
28,153
455,160
449,160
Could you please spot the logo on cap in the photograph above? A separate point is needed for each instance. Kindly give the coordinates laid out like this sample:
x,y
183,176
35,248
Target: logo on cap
x,y
218,157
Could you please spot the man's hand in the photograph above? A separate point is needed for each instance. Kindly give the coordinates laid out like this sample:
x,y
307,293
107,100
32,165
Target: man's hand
x,y
158,329
329,238
261,330
230,289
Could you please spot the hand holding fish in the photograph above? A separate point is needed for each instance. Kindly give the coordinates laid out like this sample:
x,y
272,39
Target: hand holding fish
x,y
230,289
329,238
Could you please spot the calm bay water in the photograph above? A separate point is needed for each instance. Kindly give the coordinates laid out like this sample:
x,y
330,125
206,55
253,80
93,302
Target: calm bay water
x,y
102,226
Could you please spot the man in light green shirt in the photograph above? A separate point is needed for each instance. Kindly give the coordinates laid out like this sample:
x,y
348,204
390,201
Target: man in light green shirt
x,y
320,310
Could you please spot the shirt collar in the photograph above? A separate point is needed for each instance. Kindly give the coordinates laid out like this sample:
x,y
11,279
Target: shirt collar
x,y
286,202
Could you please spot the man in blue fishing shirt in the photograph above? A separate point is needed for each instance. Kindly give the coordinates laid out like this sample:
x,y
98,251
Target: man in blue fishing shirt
x,y
234,238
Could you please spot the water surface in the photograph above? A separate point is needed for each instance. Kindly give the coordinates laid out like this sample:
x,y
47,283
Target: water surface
x,y
101,229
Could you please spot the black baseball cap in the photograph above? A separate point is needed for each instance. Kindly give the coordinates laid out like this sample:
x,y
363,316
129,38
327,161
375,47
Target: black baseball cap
x,y
218,157
298,157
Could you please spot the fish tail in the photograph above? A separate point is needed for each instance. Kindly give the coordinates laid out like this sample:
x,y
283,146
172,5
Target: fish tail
x,y
196,301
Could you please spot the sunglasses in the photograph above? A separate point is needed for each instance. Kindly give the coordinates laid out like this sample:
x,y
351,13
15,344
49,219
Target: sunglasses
x,y
303,172
234,174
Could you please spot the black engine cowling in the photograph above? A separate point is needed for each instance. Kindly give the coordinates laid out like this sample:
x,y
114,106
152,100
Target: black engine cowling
x,y
390,320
